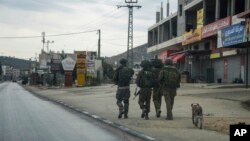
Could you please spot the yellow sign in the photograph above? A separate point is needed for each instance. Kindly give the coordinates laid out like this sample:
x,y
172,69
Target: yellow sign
x,y
191,37
80,79
214,55
200,18
81,68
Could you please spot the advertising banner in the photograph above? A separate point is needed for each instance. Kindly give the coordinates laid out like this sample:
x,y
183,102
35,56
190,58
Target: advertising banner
x,y
81,67
232,35
212,29
191,37
55,65
68,64
200,18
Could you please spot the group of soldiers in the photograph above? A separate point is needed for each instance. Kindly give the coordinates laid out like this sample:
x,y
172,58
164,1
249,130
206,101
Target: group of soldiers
x,y
162,78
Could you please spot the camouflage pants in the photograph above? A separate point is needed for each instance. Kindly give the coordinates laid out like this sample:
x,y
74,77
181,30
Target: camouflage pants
x,y
144,98
122,97
157,94
169,95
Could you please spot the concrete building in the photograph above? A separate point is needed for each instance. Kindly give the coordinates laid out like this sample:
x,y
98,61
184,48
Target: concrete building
x,y
190,37
7,72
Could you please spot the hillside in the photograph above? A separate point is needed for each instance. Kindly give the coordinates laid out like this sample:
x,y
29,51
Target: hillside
x,y
15,62
140,53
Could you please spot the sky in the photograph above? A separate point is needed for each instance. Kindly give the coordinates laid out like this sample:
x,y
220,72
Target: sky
x,y
22,18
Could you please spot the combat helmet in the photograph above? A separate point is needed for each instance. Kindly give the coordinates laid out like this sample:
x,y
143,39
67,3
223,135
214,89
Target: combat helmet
x,y
169,62
123,61
145,64
157,63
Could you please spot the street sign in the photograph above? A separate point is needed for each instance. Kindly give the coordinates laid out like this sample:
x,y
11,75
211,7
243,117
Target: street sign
x,y
68,64
81,57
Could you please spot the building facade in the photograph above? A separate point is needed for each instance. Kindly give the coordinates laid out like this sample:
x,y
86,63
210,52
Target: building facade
x,y
205,39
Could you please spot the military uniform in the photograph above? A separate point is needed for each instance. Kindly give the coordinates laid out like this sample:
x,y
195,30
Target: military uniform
x,y
157,93
145,89
123,89
169,89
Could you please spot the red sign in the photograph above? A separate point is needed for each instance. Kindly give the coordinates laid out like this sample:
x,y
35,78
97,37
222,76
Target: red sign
x,y
212,29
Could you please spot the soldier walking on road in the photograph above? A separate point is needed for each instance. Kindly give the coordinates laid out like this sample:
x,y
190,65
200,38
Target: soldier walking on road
x,y
157,93
144,81
122,78
169,81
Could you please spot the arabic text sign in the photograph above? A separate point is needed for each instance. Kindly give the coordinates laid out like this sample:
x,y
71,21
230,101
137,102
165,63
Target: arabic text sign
x,y
232,35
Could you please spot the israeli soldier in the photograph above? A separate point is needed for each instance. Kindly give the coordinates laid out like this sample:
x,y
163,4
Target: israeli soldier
x,y
122,78
169,78
144,81
157,93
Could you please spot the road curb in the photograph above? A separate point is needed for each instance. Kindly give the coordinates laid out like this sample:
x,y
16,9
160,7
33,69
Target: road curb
x,y
96,117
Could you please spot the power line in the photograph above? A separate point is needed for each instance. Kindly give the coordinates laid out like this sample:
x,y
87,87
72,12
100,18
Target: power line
x,y
96,22
130,5
104,22
53,35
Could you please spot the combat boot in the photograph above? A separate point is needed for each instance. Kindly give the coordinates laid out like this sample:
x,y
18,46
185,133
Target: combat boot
x,y
146,116
143,113
120,115
169,117
158,114
125,116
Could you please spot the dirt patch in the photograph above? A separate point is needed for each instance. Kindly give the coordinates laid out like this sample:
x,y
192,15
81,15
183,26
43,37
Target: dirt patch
x,y
221,124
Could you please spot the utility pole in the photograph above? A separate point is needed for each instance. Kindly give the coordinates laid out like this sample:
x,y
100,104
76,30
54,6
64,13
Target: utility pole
x,y
43,40
99,44
49,42
130,5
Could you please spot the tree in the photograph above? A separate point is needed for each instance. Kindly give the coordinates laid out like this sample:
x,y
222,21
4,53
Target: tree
x,y
107,70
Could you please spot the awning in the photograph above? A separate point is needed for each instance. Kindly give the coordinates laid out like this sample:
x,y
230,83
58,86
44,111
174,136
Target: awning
x,y
177,57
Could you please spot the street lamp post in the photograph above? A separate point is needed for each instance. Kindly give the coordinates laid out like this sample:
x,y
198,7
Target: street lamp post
x,y
49,42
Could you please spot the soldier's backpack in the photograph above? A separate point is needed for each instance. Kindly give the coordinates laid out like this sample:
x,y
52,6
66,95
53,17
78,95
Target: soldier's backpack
x,y
146,80
171,77
155,73
124,76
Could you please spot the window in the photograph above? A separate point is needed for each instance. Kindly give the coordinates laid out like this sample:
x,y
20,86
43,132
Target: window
x,y
180,10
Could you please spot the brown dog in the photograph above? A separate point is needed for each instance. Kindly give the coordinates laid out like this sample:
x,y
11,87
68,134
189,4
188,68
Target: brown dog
x,y
197,114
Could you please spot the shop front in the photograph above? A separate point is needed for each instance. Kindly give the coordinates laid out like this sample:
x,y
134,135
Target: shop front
x,y
230,66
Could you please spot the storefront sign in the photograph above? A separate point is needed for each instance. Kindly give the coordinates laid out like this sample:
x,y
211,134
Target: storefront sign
x,y
229,53
191,37
200,18
81,57
68,64
215,55
231,35
212,29
55,65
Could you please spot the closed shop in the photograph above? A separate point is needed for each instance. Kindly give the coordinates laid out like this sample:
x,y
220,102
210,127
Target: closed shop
x,y
234,68
218,69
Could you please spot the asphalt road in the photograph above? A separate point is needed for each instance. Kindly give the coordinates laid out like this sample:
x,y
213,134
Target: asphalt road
x,y
24,117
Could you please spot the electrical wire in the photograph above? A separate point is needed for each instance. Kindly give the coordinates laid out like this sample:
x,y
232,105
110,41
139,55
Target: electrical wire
x,y
53,35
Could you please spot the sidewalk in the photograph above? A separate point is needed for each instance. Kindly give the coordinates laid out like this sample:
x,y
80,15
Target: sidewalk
x,y
220,113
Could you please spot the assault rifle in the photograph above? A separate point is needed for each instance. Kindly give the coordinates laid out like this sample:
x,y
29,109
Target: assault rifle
x,y
136,93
